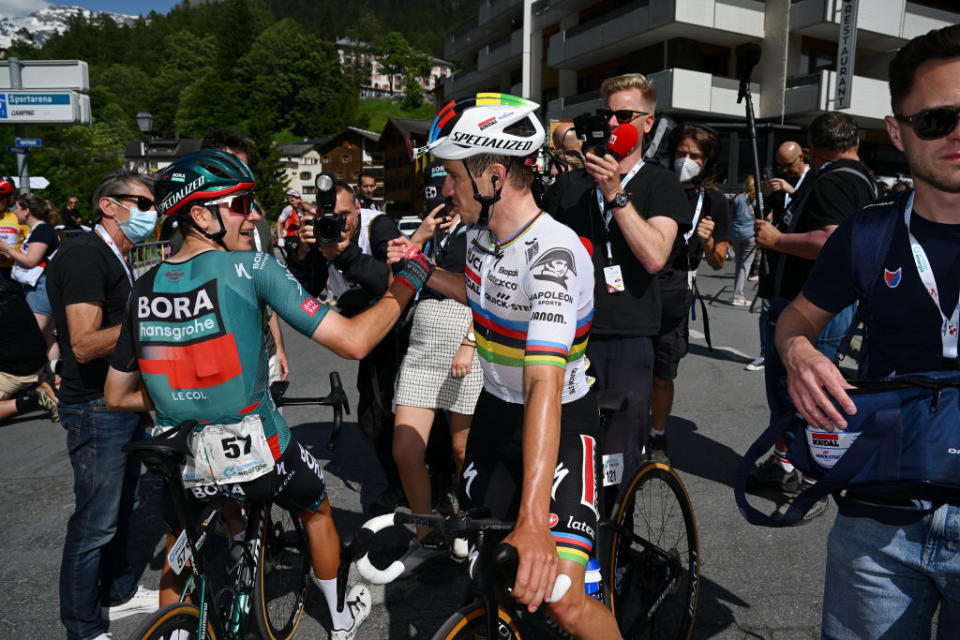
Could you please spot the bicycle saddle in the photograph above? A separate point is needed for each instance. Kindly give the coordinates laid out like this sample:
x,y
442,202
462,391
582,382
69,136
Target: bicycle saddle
x,y
168,448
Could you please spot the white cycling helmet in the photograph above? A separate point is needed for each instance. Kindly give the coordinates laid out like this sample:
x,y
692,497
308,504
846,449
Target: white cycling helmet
x,y
496,123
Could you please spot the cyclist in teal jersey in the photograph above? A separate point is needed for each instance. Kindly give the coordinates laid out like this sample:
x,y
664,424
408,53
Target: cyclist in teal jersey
x,y
192,348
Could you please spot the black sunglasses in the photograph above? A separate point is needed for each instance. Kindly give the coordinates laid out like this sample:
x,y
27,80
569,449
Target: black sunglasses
x,y
623,115
143,202
931,124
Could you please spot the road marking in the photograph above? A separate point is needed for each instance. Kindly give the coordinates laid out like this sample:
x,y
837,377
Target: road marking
x,y
699,336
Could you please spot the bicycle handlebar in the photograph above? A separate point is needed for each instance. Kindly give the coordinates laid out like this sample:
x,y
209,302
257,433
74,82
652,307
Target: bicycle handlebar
x,y
449,527
337,399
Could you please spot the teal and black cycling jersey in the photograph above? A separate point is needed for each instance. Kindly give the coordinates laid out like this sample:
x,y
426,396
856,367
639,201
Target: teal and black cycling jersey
x,y
193,330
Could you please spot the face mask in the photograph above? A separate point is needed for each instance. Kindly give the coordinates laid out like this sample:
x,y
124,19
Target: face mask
x,y
686,169
140,224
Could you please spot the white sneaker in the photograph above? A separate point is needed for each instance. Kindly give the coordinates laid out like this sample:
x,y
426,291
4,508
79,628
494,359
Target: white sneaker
x,y
103,636
143,601
461,549
756,365
359,603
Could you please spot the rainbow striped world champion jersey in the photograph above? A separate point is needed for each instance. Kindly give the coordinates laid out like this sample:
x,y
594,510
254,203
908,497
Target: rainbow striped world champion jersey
x,y
532,303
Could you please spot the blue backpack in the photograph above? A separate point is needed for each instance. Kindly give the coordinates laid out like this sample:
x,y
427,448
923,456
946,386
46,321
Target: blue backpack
x,y
904,442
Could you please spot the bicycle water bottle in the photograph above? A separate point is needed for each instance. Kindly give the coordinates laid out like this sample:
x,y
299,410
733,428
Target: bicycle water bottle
x,y
591,581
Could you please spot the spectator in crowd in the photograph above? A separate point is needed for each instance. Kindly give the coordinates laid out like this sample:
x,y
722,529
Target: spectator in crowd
x,y
839,185
72,220
288,223
631,214
30,262
694,149
366,189
791,171
11,231
742,238
23,360
887,576
440,372
567,153
355,271
88,283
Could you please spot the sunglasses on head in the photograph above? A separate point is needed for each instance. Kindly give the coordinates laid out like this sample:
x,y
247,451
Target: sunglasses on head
x,y
623,115
143,202
238,203
931,124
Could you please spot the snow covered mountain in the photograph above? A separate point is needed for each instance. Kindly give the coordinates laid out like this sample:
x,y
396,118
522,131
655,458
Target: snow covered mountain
x,y
46,22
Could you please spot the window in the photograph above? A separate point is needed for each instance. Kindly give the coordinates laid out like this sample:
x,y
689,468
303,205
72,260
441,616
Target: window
x,y
347,158
305,175
339,175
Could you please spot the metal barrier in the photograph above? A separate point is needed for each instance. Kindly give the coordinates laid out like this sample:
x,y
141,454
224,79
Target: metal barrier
x,y
145,255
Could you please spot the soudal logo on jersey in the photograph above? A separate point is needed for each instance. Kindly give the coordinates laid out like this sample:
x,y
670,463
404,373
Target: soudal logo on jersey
x,y
825,440
178,318
484,141
892,278
489,122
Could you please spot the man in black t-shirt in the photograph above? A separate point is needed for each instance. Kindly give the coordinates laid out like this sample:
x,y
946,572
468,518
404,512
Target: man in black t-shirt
x,y
839,185
886,577
72,220
23,357
631,213
88,283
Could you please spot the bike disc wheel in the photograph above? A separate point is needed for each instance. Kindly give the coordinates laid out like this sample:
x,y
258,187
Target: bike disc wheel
x,y
180,621
283,575
654,564
470,623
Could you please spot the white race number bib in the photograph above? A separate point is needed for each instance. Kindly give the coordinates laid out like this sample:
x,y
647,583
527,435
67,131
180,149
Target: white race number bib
x,y
228,453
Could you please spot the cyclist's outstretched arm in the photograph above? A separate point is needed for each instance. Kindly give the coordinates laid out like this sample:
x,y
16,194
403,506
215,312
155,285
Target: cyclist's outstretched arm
x,y
355,337
451,285
543,389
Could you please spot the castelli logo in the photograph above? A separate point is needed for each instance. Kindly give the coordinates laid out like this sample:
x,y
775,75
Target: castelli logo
x,y
554,519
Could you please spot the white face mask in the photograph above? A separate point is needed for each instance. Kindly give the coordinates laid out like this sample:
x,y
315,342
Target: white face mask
x,y
686,169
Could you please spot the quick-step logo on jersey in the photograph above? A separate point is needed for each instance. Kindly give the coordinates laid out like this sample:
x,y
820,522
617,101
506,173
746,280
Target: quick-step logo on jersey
x,y
181,336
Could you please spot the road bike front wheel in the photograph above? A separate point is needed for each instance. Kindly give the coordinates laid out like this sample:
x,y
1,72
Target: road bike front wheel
x,y
654,564
470,623
178,621
283,575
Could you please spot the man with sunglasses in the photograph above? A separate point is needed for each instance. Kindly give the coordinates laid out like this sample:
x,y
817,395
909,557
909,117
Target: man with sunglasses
x,y
88,283
838,185
631,211
792,170
886,577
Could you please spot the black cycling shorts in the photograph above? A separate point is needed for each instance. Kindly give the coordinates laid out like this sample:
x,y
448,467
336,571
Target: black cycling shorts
x,y
493,470
673,342
296,484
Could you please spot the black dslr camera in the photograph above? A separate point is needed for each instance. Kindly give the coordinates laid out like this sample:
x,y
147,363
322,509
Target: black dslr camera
x,y
594,131
327,225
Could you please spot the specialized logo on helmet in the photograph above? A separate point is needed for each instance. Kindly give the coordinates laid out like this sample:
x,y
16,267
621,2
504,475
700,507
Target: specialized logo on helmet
x,y
174,199
484,141
555,265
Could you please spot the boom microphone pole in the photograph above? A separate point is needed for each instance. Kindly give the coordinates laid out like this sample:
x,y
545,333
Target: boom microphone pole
x,y
746,61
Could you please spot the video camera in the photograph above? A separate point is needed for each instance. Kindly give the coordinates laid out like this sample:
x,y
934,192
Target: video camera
x,y
328,226
593,130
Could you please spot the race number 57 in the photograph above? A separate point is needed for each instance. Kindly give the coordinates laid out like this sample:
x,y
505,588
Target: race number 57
x,y
231,446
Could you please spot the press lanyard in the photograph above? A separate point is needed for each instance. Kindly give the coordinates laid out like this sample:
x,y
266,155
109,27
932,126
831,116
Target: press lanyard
x,y
608,214
948,326
696,218
110,243
786,196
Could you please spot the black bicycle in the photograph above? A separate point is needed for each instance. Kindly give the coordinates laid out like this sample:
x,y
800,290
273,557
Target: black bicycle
x,y
647,549
272,575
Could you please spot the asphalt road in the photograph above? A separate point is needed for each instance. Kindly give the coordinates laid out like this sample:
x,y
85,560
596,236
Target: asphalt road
x,y
756,582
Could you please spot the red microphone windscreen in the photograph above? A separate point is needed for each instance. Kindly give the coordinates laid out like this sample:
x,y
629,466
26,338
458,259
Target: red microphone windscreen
x,y
623,139
587,244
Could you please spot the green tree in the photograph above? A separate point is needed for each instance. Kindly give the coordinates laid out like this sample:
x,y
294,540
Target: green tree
x,y
393,53
186,58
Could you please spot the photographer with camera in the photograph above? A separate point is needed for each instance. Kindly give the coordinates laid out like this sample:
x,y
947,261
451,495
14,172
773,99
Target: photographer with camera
x,y
632,212
343,248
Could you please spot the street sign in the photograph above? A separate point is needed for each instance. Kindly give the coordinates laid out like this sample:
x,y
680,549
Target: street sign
x,y
846,52
48,74
28,142
13,149
44,107
36,182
